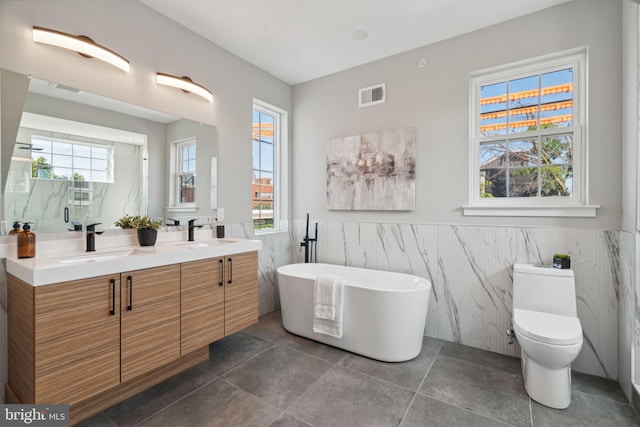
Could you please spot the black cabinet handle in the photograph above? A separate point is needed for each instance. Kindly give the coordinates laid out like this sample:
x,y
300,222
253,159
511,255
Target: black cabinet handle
x,y
230,271
130,280
113,297
221,265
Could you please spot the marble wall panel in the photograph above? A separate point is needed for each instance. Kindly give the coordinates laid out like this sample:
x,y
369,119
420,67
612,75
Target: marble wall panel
x,y
627,307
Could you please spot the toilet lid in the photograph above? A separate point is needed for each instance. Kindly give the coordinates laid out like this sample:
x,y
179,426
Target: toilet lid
x,y
546,327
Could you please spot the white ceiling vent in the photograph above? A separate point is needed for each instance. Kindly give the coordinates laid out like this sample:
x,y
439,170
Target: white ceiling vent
x,y
371,95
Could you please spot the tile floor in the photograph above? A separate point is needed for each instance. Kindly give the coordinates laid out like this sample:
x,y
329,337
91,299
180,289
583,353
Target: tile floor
x,y
265,376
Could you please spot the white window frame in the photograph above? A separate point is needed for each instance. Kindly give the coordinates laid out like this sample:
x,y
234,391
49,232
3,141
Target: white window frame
x,y
576,205
280,172
175,161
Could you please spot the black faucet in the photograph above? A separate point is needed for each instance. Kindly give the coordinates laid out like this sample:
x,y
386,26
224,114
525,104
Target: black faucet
x,y
176,222
309,244
192,226
91,236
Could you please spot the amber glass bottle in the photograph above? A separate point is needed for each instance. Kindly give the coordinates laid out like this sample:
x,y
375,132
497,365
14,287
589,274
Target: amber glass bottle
x,y
16,228
26,242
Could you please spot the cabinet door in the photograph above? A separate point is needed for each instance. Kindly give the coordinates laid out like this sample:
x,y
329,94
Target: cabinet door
x,y
241,291
77,339
150,319
202,304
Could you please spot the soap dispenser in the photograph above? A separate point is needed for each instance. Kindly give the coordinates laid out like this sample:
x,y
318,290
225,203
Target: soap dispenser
x,y
26,242
16,228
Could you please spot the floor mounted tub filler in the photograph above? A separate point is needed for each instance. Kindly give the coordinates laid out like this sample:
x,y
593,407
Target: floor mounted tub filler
x,y
384,313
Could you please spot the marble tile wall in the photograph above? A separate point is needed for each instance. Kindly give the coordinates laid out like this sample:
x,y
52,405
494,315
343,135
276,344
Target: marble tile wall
x,y
626,318
471,271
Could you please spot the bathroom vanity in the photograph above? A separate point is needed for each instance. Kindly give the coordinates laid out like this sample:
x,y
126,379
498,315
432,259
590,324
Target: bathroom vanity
x,y
91,330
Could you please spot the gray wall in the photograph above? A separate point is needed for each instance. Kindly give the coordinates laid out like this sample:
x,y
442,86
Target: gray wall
x,y
435,100
153,44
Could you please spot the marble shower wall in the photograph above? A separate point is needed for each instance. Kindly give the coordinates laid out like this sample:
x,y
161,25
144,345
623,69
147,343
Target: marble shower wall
x,y
626,317
470,268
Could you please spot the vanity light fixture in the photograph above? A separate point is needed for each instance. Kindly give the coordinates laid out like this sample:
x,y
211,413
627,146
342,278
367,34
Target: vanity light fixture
x,y
185,84
81,44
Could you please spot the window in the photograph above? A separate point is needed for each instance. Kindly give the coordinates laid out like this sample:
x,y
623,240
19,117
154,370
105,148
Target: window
x,y
268,172
528,142
185,175
53,158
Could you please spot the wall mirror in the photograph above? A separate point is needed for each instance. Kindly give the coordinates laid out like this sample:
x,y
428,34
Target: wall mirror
x,y
80,158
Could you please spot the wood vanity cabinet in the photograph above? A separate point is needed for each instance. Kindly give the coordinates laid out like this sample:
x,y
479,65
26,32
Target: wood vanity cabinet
x,y
150,319
64,339
219,297
94,342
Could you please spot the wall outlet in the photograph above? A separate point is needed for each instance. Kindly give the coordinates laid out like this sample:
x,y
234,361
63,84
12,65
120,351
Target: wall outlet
x,y
220,214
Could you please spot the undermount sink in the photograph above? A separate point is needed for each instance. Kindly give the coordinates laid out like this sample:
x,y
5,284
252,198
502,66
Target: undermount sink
x,y
98,256
209,243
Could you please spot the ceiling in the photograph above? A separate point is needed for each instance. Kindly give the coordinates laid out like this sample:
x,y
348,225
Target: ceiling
x,y
301,40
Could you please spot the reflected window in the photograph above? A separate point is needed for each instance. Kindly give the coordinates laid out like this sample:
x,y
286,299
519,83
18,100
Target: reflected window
x,y
186,172
526,136
53,158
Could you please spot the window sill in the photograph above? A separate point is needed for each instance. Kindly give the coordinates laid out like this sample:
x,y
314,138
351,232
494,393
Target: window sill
x,y
582,211
182,209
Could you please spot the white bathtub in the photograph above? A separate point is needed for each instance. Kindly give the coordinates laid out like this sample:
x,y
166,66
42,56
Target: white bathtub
x,y
384,313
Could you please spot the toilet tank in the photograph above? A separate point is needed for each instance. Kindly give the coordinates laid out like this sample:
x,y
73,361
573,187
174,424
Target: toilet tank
x,y
545,289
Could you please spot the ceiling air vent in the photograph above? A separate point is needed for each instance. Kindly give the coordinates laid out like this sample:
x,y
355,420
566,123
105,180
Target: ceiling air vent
x,y
371,95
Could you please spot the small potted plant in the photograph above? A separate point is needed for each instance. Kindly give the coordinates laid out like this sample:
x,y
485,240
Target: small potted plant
x,y
147,227
561,261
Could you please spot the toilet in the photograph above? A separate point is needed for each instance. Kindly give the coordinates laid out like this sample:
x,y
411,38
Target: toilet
x,y
548,330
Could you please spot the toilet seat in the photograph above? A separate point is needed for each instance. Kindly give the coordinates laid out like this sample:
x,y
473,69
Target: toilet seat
x,y
547,328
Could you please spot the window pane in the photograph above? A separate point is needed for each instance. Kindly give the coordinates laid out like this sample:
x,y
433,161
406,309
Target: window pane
x,y
557,99
187,188
557,181
492,155
523,104
98,176
523,182
493,183
523,153
256,154
493,106
81,175
62,173
557,150
99,153
62,148
62,161
99,165
81,163
266,156
81,150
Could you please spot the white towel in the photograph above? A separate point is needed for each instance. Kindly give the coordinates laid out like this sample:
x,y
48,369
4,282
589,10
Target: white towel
x,y
327,316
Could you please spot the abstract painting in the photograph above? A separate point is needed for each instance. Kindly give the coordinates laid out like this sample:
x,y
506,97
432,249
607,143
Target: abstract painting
x,y
372,171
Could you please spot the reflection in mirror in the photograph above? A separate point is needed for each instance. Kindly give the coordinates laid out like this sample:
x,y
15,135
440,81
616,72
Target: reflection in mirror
x,y
64,172
78,157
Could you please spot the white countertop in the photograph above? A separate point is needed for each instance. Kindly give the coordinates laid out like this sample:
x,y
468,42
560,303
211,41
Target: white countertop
x,y
57,267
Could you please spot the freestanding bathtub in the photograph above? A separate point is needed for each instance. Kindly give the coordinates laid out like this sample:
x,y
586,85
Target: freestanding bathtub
x,y
384,313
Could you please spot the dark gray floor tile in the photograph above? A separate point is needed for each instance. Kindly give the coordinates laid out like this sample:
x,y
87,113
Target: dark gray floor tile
x,y
425,411
233,350
279,375
599,386
481,357
269,327
156,398
490,392
286,420
346,398
317,349
216,404
98,420
586,410
405,374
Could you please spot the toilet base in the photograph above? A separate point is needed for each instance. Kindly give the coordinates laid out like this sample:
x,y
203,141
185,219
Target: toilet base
x,y
548,386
